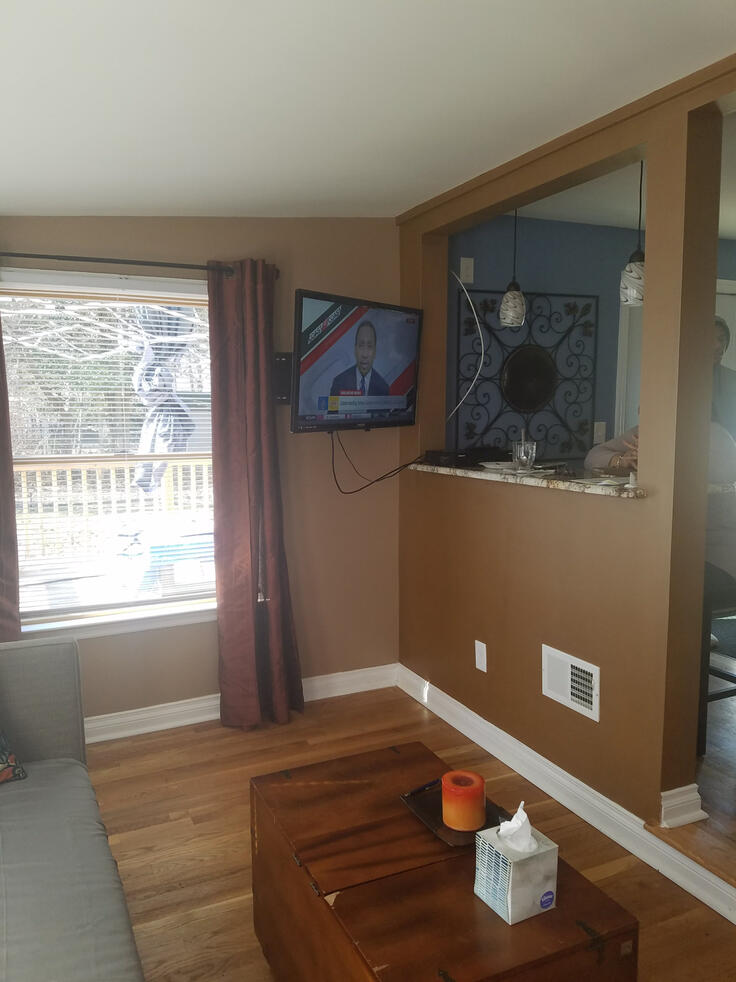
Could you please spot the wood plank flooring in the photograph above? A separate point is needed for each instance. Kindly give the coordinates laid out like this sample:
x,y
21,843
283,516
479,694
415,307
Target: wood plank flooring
x,y
712,843
177,811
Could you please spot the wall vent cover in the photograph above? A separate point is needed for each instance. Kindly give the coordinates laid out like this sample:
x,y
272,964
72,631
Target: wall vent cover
x,y
571,681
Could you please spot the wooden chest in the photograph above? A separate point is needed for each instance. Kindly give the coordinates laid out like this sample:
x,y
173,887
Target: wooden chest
x,y
349,885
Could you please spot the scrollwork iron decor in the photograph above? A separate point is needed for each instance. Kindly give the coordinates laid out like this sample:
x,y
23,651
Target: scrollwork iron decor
x,y
539,376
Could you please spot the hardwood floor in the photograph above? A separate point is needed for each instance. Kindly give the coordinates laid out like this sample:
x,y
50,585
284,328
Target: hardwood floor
x,y
176,807
712,843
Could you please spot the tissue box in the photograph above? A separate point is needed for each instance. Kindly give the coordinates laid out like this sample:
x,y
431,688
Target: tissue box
x,y
515,884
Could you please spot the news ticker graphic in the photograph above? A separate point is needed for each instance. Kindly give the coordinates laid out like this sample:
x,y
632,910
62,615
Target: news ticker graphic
x,y
361,404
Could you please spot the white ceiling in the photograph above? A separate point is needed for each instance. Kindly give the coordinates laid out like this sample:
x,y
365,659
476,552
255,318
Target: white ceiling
x,y
313,107
614,199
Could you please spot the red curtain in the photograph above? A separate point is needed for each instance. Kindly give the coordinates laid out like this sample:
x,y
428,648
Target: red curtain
x,y
258,662
9,602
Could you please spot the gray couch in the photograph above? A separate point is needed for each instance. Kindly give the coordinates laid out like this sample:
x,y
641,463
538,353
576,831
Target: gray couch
x,y
63,916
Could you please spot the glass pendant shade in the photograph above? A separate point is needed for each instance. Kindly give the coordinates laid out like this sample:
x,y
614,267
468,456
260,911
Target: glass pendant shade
x,y
512,311
632,281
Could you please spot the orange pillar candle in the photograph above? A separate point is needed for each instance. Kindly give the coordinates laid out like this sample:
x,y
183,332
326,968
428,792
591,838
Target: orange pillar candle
x,y
463,800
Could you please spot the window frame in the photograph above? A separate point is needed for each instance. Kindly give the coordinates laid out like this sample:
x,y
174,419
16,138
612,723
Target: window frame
x,y
141,289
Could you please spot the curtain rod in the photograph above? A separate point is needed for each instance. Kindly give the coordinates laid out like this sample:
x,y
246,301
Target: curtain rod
x,y
228,270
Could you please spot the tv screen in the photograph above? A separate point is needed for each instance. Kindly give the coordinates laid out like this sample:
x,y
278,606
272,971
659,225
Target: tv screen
x,y
355,363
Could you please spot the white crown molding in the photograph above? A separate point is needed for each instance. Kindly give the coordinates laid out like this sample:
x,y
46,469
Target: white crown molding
x,y
611,819
680,806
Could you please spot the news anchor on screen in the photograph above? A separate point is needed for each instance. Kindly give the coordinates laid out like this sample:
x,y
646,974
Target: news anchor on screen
x,y
362,376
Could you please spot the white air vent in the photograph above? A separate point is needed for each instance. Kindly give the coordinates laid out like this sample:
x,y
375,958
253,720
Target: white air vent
x,y
571,681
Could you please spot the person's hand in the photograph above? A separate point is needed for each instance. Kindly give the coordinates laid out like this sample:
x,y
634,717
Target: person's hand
x,y
629,459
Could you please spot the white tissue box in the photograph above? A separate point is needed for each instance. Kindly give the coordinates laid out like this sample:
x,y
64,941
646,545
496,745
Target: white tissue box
x,y
517,885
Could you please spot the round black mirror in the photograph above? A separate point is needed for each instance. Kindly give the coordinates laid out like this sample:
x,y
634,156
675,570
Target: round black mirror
x,y
528,378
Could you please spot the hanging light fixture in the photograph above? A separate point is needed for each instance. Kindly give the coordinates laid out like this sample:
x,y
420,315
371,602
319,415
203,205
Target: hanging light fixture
x,y
512,311
632,277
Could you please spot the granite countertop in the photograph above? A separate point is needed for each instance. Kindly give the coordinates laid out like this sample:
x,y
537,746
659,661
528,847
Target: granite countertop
x,y
612,487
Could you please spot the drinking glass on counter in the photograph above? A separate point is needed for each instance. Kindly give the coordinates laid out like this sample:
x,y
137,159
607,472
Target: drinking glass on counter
x,y
523,454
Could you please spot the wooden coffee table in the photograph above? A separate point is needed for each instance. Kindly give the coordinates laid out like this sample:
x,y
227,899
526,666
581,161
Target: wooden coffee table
x,y
349,885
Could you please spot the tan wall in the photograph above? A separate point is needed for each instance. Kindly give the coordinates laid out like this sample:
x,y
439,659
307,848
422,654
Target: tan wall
x,y
127,671
346,609
518,567
617,583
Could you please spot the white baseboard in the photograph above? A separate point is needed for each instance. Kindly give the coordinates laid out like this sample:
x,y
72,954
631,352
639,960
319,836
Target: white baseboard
x,y
168,715
681,806
602,813
343,683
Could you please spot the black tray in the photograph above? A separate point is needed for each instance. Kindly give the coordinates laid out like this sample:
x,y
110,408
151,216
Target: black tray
x,y
426,804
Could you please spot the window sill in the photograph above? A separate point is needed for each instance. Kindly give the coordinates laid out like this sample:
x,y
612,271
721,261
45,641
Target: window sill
x,y
124,622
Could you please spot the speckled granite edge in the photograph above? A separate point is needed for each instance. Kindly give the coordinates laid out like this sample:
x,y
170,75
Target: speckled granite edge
x,y
556,483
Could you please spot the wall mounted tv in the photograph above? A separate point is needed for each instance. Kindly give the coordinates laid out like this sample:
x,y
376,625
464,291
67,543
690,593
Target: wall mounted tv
x,y
355,363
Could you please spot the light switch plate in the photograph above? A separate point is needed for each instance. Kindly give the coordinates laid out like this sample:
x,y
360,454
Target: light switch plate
x,y
599,431
480,656
467,269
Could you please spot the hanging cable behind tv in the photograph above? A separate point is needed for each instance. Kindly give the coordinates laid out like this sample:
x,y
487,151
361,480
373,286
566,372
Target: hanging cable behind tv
x,y
482,348
369,481
424,457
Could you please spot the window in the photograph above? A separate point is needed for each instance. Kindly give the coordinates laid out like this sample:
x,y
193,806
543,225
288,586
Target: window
x,y
112,451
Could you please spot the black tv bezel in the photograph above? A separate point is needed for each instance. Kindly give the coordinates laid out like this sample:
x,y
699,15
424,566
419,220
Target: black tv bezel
x,y
330,426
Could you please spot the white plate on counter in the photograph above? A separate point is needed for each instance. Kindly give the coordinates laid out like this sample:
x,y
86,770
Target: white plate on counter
x,y
605,481
506,467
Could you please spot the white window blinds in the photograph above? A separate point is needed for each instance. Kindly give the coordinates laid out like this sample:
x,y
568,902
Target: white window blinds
x,y
111,433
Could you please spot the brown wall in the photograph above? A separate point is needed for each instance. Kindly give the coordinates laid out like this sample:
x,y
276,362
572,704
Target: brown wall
x,y
518,567
346,610
615,582
147,668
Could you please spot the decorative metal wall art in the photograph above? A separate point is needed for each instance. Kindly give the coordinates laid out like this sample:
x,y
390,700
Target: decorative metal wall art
x,y
539,376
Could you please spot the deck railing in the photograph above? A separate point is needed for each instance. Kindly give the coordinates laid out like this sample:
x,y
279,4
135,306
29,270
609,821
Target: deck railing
x,y
83,493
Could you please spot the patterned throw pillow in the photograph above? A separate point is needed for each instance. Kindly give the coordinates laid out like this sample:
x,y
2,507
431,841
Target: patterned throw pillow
x,y
10,769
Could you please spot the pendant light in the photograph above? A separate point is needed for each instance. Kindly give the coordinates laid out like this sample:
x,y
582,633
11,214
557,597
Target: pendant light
x,y
512,311
632,277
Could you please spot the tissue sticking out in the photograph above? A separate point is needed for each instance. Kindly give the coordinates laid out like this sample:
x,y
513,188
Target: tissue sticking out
x,y
515,880
517,832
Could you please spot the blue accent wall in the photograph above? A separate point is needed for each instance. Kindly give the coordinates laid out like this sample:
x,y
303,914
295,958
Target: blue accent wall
x,y
727,259
557,257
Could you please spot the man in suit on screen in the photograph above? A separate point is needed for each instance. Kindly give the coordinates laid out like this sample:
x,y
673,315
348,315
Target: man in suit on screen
x,y
362,377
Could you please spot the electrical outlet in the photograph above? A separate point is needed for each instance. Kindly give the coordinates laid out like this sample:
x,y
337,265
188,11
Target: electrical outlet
x,y
467,269
599,431
480,656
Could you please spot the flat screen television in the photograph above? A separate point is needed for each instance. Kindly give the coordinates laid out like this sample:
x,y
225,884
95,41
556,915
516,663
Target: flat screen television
x,y
355,363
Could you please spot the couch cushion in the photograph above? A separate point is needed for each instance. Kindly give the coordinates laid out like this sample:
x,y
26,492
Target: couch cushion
x,y
63,916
